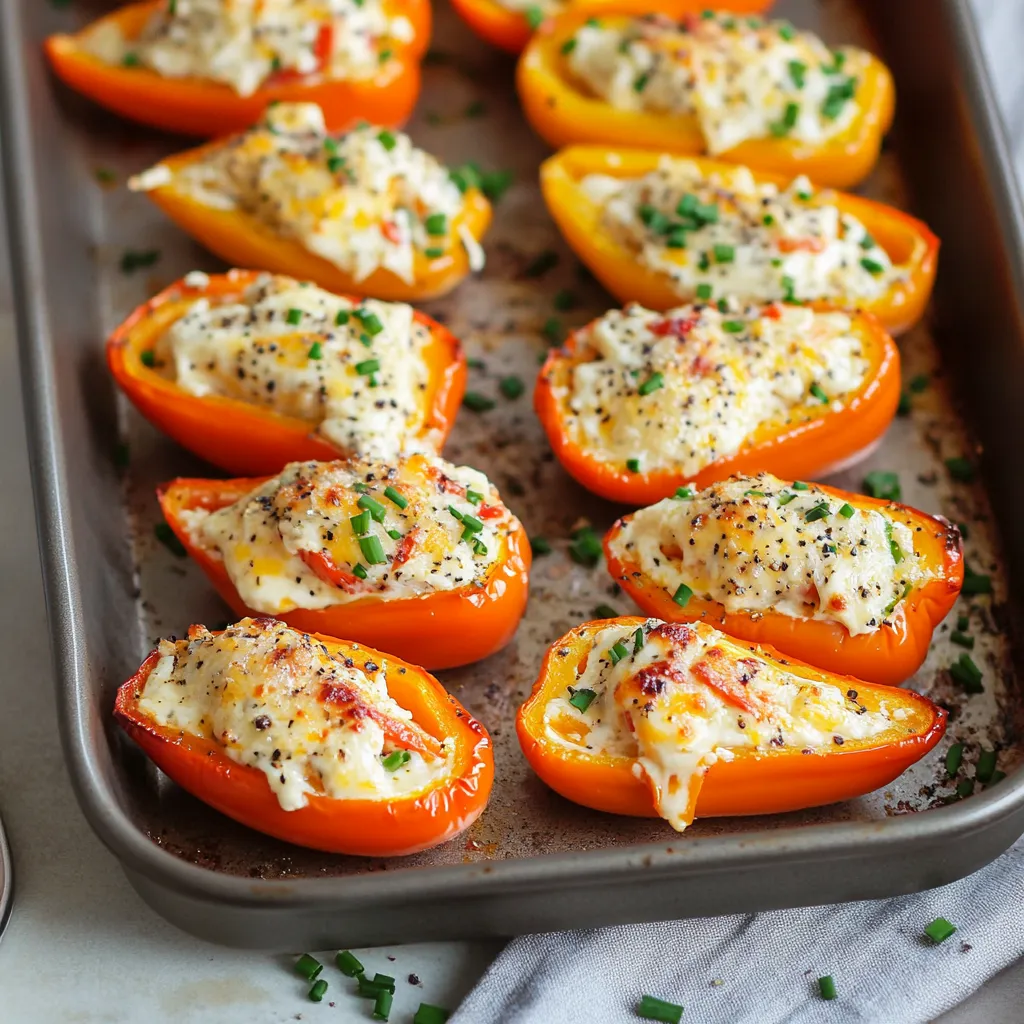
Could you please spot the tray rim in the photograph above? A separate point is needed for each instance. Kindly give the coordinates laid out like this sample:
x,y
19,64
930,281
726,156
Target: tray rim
x,y
138,852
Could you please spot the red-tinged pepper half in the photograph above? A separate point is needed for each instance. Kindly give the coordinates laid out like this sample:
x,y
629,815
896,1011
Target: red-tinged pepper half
x,y
889,653
196,106
439,728
667,691
238,436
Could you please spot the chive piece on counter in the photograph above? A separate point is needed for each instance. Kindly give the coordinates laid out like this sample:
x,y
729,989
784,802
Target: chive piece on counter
x,y
585,547
939,930
361,523
315,351
882,484
653,1008
382,1005
511,387
652,383
395,760
817,391
395,497
374,507
605,611
827,987
975,582
430,1014
960,469
316,992
294,316
148,358
473,497
169,539
582,699
348,964
436,224
986,766
682,595
372,550
963,639
847,511
132,260
542,263
617,652
384,981
540,546
954,758
967,674
799,485
918,383
308,967
476,402
359,570
638,639
367,989
963,623
903,406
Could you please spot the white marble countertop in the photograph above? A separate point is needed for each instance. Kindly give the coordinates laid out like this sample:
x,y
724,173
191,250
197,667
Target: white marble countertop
x,y
82,948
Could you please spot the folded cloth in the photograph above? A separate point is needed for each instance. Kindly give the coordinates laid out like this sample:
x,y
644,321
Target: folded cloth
x,y
764,968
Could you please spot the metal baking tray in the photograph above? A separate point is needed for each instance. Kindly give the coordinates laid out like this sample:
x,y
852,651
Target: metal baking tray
x,y
533,862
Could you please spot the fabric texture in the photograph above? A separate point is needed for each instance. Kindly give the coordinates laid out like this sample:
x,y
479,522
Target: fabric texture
x,y
764,968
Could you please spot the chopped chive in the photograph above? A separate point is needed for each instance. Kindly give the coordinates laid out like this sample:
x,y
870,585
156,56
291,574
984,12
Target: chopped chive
x,y
361,523
939,930
903,406
582,699
986,766
553,330
847,511
975,582
964,530
872,266
963,623
819,511
372,550
867,242
585,547
479,547
132,260
960,469
817,391
894,548
294,316
882,484
996,777
962,639
918,383
456,514
653,1008
829,549
511,387
474,497
360,488
787,31
965,787
367,989
652,383
395,534
359,570
374,507
954,758
148,358
640,82
605,611
827,987
638,639
633,465
494,184
786,123
683,492
382,1005
316,992
169,539
315,351
430,1014
653,218
342,318
799,485
433,253
436,224
395,497
395,760
542,263
724,253
367,366
568,46
534,16
130,60
785,498
470,524
682,595
797,71
476,402
565,300
617,652
767,220
890,607
540,546
967,674
733,326
384,981
704,292
370,321
387,140
308,967
753,494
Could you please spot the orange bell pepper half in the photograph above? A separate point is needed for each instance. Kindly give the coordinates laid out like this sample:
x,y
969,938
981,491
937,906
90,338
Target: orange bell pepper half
x,y
369,828
511,30
564,113
240,437
196,106
763,780
439,630
243,240
908,241
889,655
812,442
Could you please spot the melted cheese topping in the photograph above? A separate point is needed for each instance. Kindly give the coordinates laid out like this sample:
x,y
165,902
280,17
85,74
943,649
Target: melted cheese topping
x,y
682,389
327,533
356,370
742,78
315,723
755,544
727,235
364,200
247,43
677,698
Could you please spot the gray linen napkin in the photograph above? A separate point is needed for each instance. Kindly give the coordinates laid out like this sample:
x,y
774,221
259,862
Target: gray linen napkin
x,y
763,968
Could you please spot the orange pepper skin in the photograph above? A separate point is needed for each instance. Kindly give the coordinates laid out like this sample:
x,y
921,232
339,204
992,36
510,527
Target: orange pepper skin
x,y
804,449
564,114
240,437
763,782
510,31
440,630
369,828
242,240
195,106
888,656
907,240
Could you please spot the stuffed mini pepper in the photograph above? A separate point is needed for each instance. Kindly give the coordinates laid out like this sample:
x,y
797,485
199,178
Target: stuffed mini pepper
x,y
364,212
639,403
648,718
415,556
209,67
251,371
660,230
746,90
846,582
320,742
